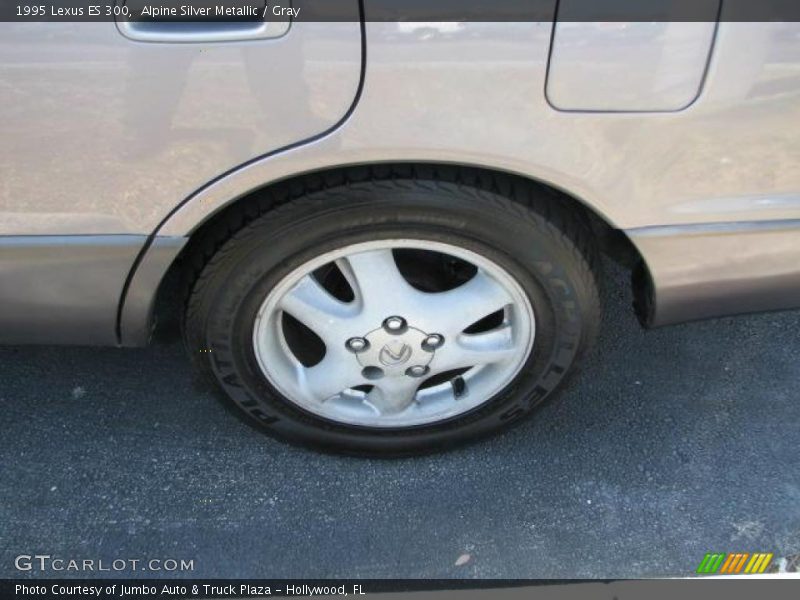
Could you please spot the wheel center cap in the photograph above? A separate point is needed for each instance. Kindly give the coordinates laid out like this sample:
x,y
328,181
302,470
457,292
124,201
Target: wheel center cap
x,y
394,353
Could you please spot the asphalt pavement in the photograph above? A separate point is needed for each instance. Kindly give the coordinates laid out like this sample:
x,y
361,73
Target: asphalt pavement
x,y
670,444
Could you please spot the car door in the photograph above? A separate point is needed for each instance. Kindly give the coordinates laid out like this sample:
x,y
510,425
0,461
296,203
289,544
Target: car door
x,y
107,128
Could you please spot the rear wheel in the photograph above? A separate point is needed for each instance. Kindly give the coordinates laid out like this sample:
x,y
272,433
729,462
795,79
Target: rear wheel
x,y
395,317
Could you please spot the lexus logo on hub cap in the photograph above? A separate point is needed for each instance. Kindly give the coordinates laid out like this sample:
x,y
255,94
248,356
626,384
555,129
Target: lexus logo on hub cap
x,y
395,353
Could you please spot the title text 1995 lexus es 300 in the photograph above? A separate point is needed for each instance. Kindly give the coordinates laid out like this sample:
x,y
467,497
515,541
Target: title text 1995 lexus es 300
x,y
388,233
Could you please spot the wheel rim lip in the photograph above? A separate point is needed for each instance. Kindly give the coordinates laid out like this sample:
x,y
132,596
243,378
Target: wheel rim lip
x,y
268,323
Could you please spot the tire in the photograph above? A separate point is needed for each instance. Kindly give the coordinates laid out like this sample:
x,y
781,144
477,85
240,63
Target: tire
x,y
532,247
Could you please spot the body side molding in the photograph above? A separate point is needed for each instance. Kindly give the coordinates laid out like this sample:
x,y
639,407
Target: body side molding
x,y
63,289
718,269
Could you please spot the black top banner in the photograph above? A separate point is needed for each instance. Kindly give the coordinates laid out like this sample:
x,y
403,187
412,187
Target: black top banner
x,y
397,10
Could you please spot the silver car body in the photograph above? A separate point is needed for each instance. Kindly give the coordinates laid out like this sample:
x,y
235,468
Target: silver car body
x,y
114,150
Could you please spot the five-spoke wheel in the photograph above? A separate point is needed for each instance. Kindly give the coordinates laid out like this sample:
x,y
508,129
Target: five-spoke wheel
x,y
395,353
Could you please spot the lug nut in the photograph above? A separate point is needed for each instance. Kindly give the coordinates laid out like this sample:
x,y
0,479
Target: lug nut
x,y
357,344
418,371
395,324
432,342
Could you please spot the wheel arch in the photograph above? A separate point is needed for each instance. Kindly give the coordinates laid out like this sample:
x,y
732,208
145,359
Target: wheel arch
x,y
137,318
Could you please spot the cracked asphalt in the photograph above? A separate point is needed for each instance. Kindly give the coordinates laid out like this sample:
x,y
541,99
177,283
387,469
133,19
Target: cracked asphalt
x,y
670,444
